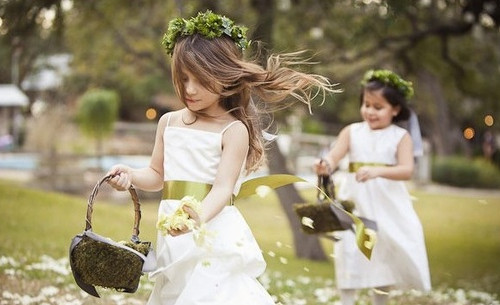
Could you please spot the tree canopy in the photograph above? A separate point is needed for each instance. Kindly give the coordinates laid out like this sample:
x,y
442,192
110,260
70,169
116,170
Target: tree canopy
x,y
448,48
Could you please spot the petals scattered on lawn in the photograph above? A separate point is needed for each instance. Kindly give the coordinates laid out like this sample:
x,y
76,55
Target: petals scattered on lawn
x,y
49,264
286,290
283,260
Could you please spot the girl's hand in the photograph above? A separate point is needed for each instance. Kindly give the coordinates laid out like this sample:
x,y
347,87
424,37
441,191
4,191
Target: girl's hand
x,y
322,167
177,232
122,179
192,215
366,173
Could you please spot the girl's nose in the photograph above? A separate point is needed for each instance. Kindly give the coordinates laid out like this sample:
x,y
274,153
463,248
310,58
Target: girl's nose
x,y
190,88
370,110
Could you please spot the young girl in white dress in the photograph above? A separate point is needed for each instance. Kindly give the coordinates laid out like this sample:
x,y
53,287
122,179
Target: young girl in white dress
x,y
205,150
380,160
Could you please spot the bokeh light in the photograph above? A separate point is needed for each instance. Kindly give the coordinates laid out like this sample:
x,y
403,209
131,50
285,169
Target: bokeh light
x,y
469,133
151,114
488,120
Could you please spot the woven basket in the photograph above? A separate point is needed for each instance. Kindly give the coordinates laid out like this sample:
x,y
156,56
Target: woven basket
x,y
326,213
99,261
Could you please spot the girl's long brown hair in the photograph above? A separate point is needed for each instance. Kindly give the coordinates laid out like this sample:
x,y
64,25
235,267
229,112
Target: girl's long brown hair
x,y
218,63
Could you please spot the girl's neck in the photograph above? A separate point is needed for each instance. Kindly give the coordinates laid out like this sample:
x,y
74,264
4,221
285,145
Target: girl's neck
x,y
378,127
208,122
216,114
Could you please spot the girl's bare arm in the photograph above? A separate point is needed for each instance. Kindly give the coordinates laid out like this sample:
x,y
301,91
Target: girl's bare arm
x,y
148,178
234,151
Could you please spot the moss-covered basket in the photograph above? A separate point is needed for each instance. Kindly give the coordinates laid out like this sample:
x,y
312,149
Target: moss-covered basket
x,y
323,218
98,261
101,264
324,213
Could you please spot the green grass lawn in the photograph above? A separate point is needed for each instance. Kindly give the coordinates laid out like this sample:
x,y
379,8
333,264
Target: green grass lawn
x,y
462,237
462,232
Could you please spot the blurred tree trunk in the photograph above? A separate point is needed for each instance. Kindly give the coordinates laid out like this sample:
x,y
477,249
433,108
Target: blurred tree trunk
x,y
306,246
443,133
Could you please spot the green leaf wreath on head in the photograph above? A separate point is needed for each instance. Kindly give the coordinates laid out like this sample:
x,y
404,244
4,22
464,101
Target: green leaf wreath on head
x,y
389,78
208,24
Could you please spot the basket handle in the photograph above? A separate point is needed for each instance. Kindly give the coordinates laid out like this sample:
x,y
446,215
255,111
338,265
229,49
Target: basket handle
x,y
325,184
135,199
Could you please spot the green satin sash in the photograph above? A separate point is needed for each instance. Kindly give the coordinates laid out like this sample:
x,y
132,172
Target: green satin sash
x,y
365,238
355,166
176,189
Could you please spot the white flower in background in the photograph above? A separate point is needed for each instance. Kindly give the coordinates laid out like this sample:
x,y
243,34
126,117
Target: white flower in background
x,y
8,261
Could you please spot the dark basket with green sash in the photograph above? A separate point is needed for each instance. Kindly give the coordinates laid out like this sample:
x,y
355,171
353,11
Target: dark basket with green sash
x,y
99,261
326,214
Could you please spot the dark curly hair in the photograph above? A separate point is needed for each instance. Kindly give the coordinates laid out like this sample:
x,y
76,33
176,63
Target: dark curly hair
x,y
394,96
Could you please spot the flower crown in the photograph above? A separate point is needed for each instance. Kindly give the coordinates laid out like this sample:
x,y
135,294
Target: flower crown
x,y
389,78
208,24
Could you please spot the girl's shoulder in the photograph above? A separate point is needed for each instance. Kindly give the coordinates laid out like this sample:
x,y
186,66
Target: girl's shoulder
x,y
355,126
170,116
398,130
236,127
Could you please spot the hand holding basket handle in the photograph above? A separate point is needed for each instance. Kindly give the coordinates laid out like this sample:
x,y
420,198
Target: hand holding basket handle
x,y
326,214
135,200
99,261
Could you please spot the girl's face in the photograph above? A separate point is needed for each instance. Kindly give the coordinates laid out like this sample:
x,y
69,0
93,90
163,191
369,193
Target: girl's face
x,y
196,96
376,110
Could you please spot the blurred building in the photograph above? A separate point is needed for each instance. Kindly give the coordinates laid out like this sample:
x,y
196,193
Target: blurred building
x,y
12,102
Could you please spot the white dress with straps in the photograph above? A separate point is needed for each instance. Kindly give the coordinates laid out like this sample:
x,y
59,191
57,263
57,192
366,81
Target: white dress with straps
x,y
224,273
399,257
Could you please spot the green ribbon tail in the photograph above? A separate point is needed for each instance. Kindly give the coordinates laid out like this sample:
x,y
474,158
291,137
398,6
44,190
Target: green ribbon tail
x,y
249,187
365,238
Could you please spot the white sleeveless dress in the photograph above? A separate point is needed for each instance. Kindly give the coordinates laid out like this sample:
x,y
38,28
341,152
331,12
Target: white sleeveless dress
x,y
224,274
399,257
